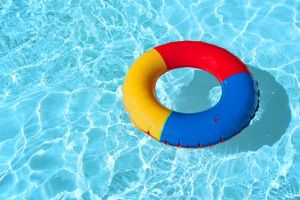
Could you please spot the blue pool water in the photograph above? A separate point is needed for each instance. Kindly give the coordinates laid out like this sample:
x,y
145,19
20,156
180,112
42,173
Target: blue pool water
x,y
64,133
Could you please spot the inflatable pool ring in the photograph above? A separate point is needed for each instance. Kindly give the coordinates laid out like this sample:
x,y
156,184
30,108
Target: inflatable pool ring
x,y
233,112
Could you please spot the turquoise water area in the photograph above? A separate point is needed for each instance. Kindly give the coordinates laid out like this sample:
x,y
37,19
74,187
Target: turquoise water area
x,y
64,133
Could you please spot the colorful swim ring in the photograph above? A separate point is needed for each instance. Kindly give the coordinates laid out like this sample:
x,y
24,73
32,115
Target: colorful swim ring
x,y
233,112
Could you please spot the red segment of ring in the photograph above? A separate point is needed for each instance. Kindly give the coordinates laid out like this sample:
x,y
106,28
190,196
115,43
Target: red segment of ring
x,y
208,57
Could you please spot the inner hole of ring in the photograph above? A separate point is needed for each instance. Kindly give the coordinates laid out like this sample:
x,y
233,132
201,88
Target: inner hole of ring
x,y
188,90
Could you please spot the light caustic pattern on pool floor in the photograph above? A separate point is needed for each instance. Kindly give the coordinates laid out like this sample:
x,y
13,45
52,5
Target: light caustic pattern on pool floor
x,y
64,133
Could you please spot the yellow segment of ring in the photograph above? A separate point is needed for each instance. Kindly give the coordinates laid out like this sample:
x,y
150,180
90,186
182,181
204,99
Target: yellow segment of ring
x,y
139,98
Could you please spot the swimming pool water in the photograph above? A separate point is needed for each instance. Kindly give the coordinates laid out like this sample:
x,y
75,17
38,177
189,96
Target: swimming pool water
x,y
64,133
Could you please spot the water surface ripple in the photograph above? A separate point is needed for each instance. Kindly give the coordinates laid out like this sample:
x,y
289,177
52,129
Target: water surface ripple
x,y
64,133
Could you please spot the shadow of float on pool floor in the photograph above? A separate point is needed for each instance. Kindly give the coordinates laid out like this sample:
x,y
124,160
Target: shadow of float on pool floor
x,y
271,122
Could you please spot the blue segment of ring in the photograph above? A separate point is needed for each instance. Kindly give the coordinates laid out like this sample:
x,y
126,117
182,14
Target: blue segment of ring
x,y
229,116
